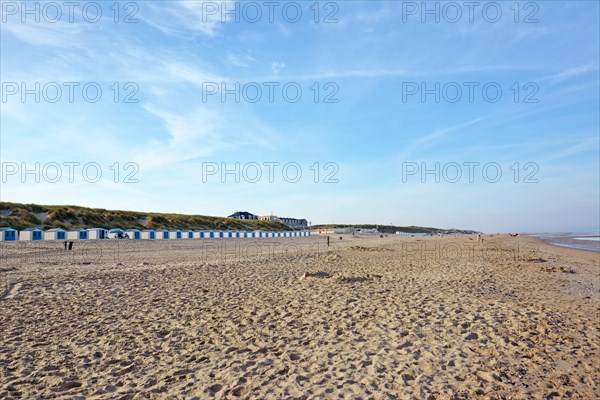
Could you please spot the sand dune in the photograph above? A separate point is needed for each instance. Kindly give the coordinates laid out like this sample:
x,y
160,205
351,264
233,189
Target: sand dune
x,y
396,318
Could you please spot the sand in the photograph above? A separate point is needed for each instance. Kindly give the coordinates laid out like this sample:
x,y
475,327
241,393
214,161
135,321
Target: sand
x,y
368,317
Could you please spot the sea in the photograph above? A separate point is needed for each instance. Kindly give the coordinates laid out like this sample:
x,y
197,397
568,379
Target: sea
x,y
576,240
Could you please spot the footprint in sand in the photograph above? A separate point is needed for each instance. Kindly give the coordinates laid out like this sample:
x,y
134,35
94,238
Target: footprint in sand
x,y
11,291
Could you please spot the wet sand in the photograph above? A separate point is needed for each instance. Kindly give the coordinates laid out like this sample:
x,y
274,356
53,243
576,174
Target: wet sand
x,y
368,317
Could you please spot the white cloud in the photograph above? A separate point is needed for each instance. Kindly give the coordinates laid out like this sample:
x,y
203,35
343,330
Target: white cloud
x,y
276,66
182,17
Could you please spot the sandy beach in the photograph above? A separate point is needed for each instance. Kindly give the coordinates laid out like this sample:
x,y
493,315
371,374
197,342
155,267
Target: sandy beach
x,y
290,318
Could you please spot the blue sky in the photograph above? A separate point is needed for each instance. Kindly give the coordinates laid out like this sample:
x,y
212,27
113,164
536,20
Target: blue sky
x,y
368,128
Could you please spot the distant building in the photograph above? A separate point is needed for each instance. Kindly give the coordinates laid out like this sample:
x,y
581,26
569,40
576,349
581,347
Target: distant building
x,y
293,223
269,218
243,215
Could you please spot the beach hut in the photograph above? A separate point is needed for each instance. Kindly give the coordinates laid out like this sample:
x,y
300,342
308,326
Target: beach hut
x,y
55,234
219,234
8,235
187,234
134,234
162,234
148,234
77,234
246,234
175,234
31,234
97,233
116,233
197,234
209,234
228,234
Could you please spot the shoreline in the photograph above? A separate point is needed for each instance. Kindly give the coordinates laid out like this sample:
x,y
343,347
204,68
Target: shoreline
x,y
570,242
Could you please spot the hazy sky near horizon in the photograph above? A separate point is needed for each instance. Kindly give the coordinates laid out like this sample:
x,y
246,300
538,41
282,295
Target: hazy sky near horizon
x,y
479,115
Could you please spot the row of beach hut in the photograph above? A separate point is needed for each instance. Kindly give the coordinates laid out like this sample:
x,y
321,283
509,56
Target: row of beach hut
x,y
33,234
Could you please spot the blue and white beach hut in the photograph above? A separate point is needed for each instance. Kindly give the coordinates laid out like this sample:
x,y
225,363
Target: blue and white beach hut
x,y
97,233
134,234
148,234
31,234
55,234
175,234
162,234
8,235
77,234
187,234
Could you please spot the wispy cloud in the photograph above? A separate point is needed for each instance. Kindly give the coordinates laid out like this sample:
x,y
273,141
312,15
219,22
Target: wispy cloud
x,y
180,18
430,138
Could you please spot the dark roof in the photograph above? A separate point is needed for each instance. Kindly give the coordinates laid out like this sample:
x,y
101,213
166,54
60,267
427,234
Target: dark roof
x,y
240,213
